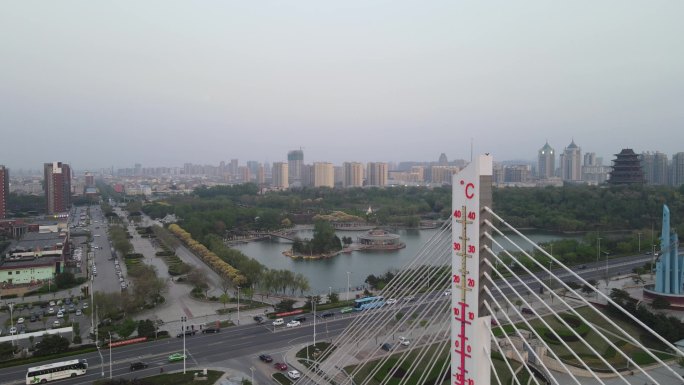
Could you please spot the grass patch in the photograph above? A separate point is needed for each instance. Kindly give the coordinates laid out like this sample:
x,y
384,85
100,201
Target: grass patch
x,y
394,370
282,379
167,379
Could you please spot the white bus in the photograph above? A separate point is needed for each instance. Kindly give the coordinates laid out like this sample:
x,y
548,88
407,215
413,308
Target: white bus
x,y
56,371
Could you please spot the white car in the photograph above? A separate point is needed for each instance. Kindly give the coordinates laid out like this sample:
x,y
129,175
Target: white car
x,y
52,303
79,312
20,320
13,331
51,310
60,314
292,324
294,374
278,322
391,301
447,292
404,341
56,324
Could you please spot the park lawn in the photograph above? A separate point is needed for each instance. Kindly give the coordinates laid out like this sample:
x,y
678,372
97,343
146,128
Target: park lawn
x,y
600,344
436,357
282,379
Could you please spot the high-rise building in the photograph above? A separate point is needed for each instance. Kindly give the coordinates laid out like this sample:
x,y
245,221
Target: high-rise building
x,y
4,191
279,174
677,169
626,168
655,168
89,179
324,175
244,174
353,174
57,187
261,176
295,161
546,166
570,163
377,174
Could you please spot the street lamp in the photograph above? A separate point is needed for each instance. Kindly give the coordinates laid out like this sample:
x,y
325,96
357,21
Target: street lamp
x,y
252,370
238,317
11,307
598,249
110,355
348,285
183,321
639,243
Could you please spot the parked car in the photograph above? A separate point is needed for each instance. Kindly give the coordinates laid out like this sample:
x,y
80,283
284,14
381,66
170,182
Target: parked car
x,y
60,314
346,310
386,347
300,318
265,358
13,330
326,314
176,357
138,365
78,312
280,366
20,320
294,374
56,324
391,301
259,319
526,311
211,330
292,324
278,322
404,341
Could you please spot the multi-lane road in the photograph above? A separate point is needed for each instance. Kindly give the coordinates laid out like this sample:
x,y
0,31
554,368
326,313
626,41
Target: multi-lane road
x,y
229,348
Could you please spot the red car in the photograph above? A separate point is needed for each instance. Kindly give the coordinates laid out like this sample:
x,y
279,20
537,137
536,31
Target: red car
x,y
280,366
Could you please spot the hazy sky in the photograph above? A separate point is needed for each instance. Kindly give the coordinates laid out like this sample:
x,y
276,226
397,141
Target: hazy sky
x,y
100,83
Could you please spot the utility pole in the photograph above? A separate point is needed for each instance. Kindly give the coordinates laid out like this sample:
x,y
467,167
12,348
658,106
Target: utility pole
x,y
639,243
238,317
11,307
348,285
110,355
183,321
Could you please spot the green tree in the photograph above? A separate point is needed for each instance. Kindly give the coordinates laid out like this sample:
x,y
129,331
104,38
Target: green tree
x,y
126,328
334,297
146,328
6,350
51,344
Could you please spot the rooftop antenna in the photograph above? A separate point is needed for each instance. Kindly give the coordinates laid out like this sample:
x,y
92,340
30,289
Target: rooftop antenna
x,y
471,150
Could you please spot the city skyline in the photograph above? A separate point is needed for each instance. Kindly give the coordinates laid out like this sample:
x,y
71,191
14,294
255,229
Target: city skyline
x,y
373,81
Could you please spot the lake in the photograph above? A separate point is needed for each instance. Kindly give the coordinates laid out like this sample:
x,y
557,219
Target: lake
x,y
329,273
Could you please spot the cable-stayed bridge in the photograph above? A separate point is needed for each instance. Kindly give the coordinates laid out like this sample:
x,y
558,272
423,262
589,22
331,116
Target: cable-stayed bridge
x,y
460,313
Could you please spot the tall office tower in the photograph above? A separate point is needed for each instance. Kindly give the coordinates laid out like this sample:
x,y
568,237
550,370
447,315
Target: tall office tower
x,y
655,167
295,160
626,168
677,169
418,173
137,171
233,167
57,187
279,177
443,160
89,179
4,191
570,163
377,174
261,176
547,162
352,174
324,175
590,159
253,166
